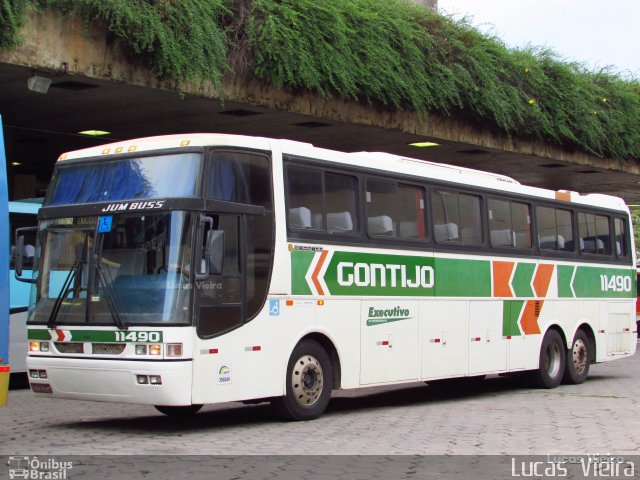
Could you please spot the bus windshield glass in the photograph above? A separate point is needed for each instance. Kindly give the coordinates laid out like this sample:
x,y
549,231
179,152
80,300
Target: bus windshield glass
x,y
135,272
154,177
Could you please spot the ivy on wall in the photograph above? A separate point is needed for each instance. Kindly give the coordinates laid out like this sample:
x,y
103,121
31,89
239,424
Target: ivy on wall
x,y
11,17
402,55
386,53
181,39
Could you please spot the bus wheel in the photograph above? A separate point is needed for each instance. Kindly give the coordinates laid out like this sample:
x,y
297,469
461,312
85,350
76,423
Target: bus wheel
x,y
577,365
181,411
552,359
309,383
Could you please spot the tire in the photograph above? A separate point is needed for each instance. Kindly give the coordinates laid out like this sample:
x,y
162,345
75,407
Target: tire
x,y
551,362
309,383
181,411
578,359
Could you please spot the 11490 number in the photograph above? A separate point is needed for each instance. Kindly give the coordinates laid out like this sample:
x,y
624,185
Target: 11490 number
x,y
615,283
142,337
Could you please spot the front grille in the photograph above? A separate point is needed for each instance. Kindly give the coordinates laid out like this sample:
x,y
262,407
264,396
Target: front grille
x,y
67,347
41,388
108,348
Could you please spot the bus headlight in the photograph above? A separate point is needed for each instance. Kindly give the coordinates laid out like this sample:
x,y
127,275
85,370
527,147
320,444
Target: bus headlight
x,y
174,350
155,349
36,346
141,349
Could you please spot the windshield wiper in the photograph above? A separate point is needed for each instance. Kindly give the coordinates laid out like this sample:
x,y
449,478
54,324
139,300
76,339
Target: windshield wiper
x,y
77,266
76,269
108,295
103,277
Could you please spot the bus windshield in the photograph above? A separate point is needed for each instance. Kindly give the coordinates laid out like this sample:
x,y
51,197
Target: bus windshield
x,y
136,271
159,176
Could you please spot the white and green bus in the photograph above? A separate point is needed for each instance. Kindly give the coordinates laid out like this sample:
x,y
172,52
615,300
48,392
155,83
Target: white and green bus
x,y
182,270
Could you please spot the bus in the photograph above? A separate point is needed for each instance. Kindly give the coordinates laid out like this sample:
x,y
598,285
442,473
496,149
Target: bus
x,y
183,270
638,302
22,213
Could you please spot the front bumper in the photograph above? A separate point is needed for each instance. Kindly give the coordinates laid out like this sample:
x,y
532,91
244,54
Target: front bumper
x,y
113,381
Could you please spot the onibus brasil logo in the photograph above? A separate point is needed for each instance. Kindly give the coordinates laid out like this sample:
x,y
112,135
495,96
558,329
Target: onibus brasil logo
x,y
38,468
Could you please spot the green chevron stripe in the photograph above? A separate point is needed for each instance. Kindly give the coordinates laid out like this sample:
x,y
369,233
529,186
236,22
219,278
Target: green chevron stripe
x,y
300,264
511,311
522,278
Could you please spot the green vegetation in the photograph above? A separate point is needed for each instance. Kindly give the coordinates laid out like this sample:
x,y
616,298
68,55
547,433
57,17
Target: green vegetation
x,y
386,53
11,17
635,218
400,55
180,39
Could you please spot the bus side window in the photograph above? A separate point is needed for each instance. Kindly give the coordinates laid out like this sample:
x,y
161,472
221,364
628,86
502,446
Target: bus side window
x,y
620,237
395,210
322,201
555,229
594,233
456,218
509,224
239,177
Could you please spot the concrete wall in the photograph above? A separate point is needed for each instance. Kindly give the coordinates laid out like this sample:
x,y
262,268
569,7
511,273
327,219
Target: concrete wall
x,y
58,44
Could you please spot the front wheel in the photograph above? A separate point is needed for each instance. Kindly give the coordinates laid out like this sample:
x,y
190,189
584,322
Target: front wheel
x,y
181,411
309,383
552,360
578,359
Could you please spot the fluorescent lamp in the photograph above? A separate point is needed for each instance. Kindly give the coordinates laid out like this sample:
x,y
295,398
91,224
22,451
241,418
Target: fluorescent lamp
x,y
424,144
94,133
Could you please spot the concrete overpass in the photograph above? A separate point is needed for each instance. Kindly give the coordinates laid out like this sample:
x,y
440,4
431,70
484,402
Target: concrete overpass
x,y
94,85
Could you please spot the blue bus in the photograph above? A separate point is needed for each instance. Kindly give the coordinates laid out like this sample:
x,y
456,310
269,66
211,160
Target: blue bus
x,y
23,213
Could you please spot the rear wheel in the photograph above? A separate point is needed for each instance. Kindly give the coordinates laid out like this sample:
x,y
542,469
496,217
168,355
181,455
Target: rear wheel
x,y
552,361
309,383
578,359
181,411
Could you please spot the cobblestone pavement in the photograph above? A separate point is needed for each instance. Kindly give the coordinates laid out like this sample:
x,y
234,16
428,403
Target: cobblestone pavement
x,y
394,427
499,416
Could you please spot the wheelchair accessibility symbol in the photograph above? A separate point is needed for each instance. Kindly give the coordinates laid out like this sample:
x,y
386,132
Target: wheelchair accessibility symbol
x,y
274,308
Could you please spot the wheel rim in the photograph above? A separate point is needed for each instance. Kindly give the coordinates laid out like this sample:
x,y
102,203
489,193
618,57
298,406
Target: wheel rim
x,y
552,359
307,380
579,356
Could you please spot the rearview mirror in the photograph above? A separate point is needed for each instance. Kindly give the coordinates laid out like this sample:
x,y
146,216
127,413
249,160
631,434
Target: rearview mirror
x,y
214,253
18,253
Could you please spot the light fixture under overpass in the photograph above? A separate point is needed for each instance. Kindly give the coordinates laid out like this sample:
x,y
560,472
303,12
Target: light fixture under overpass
x,y
424,144
38,84
95,133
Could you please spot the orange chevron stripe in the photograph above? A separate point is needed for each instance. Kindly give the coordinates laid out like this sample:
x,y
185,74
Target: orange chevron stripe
x,y
542,279
316,272
529,320
501,275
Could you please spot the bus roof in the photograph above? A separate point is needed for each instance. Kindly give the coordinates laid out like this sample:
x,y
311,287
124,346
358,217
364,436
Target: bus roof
x,y
384,162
